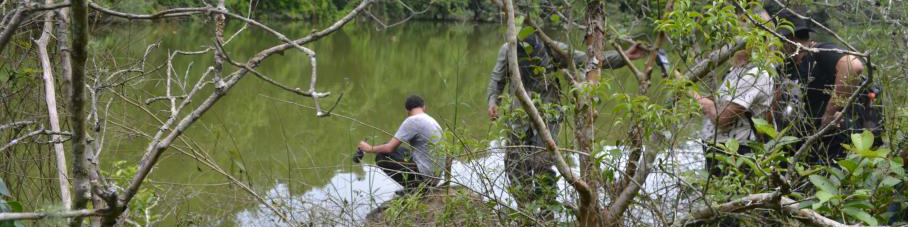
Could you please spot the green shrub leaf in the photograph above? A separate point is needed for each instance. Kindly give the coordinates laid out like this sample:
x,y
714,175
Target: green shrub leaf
x,y
860,215
823,184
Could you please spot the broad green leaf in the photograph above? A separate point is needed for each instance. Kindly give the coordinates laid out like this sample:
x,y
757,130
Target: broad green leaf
x,y
823,184
860,215
731,146
836,173
14,206
764,127
859,204
889,181
863,141
878,153
824,196
525,32
848,165
861,194
895,167
753,167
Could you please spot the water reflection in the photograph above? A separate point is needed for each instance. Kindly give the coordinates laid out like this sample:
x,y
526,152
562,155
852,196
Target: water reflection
x,y
348,197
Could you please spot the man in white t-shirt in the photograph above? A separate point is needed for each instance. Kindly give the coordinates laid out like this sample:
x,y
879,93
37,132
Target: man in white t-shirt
x,y
746,92
410,168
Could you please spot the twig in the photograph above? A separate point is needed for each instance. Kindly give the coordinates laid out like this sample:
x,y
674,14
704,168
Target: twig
x,y
62,214
16,124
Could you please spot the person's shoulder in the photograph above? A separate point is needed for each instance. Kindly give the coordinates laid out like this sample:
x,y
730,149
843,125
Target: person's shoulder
x,y
829,45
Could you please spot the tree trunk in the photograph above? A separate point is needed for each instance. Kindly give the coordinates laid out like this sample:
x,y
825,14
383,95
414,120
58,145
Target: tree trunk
x,y
586,112
81,181
50,97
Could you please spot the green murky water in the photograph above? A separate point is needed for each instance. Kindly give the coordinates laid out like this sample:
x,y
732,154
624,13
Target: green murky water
x,y
267,143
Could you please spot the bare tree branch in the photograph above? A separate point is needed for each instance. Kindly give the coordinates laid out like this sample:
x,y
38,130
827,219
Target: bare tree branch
x,y
764,200
50,97
17,18
16,124
36,216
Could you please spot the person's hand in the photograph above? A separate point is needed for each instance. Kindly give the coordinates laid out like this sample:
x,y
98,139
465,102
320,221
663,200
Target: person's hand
x,y
365,147
695,95
635,52
493,112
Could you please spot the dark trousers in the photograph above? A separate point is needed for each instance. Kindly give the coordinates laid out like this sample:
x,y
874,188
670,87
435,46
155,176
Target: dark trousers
x,y
529,170
712,164
399,166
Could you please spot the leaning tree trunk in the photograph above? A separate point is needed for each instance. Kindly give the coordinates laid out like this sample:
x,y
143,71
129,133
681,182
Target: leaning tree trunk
x,y
50,97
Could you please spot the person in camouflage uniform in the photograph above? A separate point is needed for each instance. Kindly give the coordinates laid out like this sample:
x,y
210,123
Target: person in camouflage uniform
x,y
528,167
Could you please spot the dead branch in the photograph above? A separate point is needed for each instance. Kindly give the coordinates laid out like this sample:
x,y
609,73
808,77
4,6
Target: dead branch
x,y
764,200
62,214
50,97
41,131
16,124
17,18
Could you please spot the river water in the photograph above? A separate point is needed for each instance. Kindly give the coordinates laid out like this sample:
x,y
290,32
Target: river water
x,y
263,136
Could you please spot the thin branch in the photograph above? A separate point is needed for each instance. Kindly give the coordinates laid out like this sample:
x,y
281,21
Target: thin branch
x,y
16,124
17,18
764,200
18,140
37,216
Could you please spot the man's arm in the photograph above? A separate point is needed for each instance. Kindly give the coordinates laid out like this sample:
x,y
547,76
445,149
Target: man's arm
x,y
728,115
497,81
847,79
740,93
384,148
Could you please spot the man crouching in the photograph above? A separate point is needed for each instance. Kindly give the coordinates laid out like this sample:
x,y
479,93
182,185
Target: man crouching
x,y
416,167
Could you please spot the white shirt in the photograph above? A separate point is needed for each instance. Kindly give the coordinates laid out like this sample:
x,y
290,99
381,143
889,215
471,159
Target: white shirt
x,y
748,87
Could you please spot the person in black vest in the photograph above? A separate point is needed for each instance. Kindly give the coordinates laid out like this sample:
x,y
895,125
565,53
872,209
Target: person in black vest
x,y
826,79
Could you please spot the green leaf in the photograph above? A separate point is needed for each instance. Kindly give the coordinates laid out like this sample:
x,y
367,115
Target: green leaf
x,y
863,141
889,181
860,215
823,184
837,173
731,146
15,206
859,204
555,18
824,196
764,127
526,31
848,165
878,153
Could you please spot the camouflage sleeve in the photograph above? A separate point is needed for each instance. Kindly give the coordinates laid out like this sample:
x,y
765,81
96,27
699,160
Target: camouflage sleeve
x,y
497,80
613,60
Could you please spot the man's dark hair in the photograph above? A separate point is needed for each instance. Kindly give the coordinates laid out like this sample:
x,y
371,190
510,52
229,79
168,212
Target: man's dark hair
x,y
414,101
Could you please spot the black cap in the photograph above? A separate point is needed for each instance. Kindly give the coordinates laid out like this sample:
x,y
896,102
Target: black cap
x,y
797,24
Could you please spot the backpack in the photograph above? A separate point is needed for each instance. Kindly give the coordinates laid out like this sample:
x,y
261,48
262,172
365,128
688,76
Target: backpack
x,y
865,113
